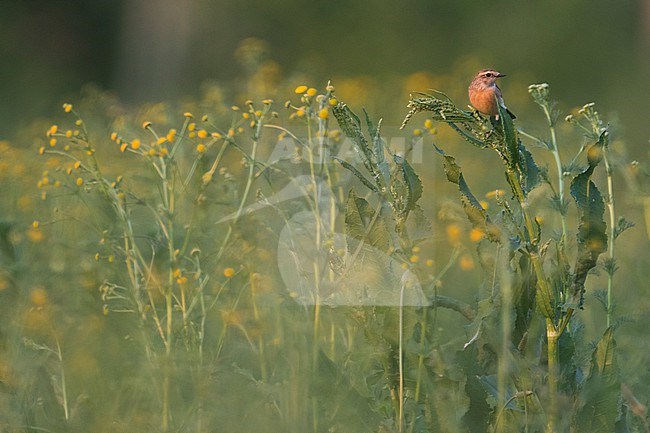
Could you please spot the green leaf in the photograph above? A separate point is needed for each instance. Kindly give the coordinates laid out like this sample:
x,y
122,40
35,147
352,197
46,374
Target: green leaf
x,y
362,223
600,396
412,181
351,126
490,384
418,225
378,147
510,136
531,174
592,238
473,209
357,173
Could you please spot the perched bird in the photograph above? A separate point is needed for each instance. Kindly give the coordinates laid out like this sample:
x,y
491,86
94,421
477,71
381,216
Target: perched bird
x,y
484,94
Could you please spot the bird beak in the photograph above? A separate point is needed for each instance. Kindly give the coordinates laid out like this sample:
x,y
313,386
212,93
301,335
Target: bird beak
x,y
499,75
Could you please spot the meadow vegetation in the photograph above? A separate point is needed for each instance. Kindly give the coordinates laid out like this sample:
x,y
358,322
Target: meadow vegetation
x,y
300,267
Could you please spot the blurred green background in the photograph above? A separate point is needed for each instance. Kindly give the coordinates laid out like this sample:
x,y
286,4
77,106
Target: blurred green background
x,y
156,50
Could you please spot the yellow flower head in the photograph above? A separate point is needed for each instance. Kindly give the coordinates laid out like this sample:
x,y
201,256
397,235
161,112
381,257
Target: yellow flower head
x,y
475,235
453,233
67,107
300,89
228,272
323,114
466,262
135,144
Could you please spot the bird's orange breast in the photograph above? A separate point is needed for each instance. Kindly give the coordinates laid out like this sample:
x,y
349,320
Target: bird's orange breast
x,y
484,101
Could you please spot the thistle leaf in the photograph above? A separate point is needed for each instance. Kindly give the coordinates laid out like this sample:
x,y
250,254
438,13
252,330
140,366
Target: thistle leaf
x,y
357,173
412,181
592,239
510,136
600,396
473,209
362,223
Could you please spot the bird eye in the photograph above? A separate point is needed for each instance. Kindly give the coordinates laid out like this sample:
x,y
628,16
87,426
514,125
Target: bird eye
x,y
489,75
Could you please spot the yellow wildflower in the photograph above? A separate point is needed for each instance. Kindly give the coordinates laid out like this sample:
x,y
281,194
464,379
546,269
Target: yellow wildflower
x,y
475,235
466,262
453,233
300,89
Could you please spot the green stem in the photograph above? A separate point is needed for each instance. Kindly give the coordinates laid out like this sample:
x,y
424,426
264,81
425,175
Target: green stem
x,y
553,374
552,332
611,232
560,172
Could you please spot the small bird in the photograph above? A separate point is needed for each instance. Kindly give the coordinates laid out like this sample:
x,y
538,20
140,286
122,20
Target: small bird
x,y
484,94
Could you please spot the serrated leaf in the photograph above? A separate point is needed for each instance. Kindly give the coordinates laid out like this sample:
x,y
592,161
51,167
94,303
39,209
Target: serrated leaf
x,y
490,385
378,147
412,181
531,174
357,173
452,169
473,209
592,238
351,127
362,223
599,397
418,226
510,136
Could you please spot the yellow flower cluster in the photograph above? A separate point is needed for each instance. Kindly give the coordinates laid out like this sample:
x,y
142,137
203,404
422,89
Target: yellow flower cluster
x,y
313,104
